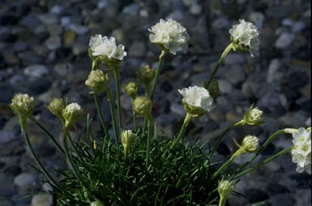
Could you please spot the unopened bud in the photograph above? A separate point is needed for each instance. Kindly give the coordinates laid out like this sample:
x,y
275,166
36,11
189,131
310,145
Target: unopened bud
x,y
23,105
253,116
96,203
127,138
97,81
250,144
72,114
225,188
142,106
56,106
145,74
131,89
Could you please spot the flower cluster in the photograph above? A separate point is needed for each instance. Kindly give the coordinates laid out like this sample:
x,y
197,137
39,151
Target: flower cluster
x,y
245,37
197,100
301,151
106,47
170,35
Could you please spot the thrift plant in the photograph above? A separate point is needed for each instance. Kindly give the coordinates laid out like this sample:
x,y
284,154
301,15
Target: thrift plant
x,y
138,166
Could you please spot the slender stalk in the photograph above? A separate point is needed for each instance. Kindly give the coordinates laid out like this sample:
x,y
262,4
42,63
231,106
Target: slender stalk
x,y
284,151
112,110
117,81
36,158
160,61
149,136
222,201
265,144
71,163
224,54
49,134
134,117
226,164
220,137
96,100
180,136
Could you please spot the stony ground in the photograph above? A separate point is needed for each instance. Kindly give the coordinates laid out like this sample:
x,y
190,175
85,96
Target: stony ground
x,y
43,48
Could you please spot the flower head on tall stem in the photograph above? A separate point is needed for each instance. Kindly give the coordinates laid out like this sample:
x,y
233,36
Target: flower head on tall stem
x,y
56,106
145,74
253,117
107,50
170,36
72,113
196,100
23,105
301,151
131,89
245,37
142,106
97,81
225,188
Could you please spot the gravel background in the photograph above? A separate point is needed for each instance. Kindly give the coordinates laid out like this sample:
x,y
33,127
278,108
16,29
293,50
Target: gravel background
x,y
43,48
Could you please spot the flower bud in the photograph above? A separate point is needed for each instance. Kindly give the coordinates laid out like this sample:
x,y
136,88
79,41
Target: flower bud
x,y
127,138
131,89
214,89
56,106
96,203
72,114
145,74
97,81
142,106
23,105
225,188
253,116
250,144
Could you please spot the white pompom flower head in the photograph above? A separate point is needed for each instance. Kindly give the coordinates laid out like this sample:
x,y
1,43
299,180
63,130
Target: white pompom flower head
x,y
196,100
301,151
107,49
170,36
245,37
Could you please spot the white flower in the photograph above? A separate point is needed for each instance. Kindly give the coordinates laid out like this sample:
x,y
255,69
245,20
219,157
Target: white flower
x,y
102,46
197,97
245,36
169,34
226,187
301,152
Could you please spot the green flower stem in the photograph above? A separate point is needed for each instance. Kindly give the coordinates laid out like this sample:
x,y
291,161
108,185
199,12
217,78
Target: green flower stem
x,y
284,151
43,169
222,201
160,61
149,136
95,63
134,117
117,80
36,158
49,134
265,144
224,54
96,100
228,162
187,120
220,137
180,136
112,110
72,164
